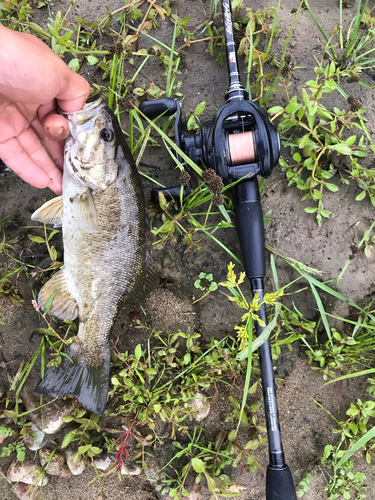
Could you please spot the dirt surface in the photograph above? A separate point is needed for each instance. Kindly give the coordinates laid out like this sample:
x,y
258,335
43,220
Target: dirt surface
x,y
306,427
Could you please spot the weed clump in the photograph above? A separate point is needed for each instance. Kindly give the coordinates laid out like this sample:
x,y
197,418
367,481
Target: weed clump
x,y
214,182
355,105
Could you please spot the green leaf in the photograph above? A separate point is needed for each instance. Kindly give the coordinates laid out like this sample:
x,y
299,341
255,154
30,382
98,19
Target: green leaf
x,y
185,20
234,402
74,64
138,351
232,435
151,371
68,438
297,157
48,305
332,187
37,239
21,455
200,108
292,107
351,140
275,109
198,465
91,60
311,210
361,196
341,148
236,3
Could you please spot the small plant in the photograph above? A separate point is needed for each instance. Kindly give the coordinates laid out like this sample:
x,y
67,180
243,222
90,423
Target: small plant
x,y
193,122
345,481
304,485
81,435
16,447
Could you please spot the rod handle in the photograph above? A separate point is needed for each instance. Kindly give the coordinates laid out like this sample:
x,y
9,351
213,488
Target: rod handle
x,y
280,485
251,228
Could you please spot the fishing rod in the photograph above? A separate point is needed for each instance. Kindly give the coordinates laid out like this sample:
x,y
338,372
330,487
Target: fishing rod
x,y
240,143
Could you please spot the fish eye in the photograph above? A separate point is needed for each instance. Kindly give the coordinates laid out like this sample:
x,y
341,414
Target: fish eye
x,y
107,135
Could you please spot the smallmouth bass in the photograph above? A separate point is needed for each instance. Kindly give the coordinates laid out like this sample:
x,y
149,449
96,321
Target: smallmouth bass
x,y
103,216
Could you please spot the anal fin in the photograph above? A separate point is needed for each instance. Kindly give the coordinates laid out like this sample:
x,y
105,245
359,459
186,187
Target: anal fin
x,y
63,305
50,213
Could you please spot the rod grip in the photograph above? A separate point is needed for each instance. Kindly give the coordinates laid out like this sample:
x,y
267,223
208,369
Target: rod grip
x,y
251,228
280,485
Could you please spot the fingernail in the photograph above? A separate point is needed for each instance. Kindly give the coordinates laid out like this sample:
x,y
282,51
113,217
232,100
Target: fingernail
x,y
56,131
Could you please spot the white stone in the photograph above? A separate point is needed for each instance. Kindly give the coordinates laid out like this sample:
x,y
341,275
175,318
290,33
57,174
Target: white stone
x,y
131,469
202,406
105,461
76,468
25,472
54,465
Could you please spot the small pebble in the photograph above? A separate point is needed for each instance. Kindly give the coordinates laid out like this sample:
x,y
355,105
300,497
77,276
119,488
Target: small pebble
x,y
202,405
76,468
54,465
131,469
25,491
26,472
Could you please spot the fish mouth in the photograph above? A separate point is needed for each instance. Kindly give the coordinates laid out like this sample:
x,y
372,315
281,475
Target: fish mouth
x,y
90,111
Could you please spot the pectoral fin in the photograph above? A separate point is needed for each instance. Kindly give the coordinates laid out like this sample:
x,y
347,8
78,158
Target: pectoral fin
x,y
50,213
63,305
85,212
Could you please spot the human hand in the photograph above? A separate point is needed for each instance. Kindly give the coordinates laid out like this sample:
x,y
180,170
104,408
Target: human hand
x,y
33,81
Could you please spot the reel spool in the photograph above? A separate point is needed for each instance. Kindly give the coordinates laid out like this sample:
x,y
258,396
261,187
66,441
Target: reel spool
x,y
241,148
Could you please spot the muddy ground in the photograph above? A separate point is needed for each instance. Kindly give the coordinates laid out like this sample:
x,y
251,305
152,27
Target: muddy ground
x,y
306,428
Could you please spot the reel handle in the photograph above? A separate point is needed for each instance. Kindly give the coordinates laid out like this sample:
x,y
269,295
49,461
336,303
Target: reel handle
x,y
165,106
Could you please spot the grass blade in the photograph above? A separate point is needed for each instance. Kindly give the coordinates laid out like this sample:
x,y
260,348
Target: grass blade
x,y
358,445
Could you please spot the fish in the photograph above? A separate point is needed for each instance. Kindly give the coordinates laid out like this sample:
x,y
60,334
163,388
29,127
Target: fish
x,y
103,215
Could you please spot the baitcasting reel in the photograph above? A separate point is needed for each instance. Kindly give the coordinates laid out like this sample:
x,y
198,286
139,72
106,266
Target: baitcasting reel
x,y
239,144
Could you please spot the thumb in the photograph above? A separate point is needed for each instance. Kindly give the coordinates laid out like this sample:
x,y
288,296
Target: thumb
x,y
74,93
56,127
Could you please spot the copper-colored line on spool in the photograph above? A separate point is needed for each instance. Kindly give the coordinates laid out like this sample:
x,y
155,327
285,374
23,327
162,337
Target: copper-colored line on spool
x,y
241,148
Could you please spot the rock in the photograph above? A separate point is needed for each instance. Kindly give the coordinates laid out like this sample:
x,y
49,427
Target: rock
x,y
65,472
76,468
153,471
131,469
25,472
52,414
105,461
202,405
2,438
36,440
54,465
25,491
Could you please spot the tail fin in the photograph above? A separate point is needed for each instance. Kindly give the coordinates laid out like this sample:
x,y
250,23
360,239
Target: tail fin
x,y
89,384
